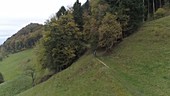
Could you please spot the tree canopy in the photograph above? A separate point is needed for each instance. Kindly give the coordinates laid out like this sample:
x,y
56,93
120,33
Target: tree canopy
x,y
61,12
62,44
78,14
109,31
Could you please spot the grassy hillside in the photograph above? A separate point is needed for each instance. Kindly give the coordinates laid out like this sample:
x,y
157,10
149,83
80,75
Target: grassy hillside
x,y
12,70
138,66
15,86
11,66
86,77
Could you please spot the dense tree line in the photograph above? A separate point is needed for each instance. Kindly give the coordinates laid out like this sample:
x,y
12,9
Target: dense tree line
x,y
98,23
67,35
152,5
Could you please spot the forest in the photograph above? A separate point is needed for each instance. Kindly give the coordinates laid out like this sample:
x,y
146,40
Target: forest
x,y
94,25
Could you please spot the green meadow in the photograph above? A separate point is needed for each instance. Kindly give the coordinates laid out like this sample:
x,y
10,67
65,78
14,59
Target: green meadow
x,y
12,69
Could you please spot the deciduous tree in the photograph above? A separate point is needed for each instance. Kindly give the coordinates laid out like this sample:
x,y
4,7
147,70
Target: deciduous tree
x,y
109,32
62,44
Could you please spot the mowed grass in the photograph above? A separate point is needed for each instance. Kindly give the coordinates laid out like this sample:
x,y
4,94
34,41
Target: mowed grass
x,y
12,69
138,66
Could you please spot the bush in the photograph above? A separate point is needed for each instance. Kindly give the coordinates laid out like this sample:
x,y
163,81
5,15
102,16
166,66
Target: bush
x,y
159,13
1,78
1,58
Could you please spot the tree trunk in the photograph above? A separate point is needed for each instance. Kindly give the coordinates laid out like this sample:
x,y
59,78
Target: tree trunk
x,y
160,3
143,11
148,9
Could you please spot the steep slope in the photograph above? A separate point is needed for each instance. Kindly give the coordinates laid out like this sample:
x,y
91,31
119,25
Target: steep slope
x,y
11,67
138,66
15,86
12,70
87,77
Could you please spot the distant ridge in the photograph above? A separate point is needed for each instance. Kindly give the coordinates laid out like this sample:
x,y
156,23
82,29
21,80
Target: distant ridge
x,y
25,38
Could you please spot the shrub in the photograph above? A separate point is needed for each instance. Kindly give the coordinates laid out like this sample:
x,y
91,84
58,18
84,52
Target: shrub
x,y
159,13
1,78
1,58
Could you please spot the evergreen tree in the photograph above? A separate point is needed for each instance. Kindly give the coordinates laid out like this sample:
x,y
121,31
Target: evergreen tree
x,y
61,12
130,11
135,13
78,14
86,8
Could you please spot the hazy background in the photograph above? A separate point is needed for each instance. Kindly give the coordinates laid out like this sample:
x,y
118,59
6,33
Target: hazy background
x,y
15,14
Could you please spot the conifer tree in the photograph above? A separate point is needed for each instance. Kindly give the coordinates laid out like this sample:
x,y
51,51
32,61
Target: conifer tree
x,y
78,14
61,12
86,7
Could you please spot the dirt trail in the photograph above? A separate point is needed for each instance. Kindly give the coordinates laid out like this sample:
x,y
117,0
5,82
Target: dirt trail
x,y
102,62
